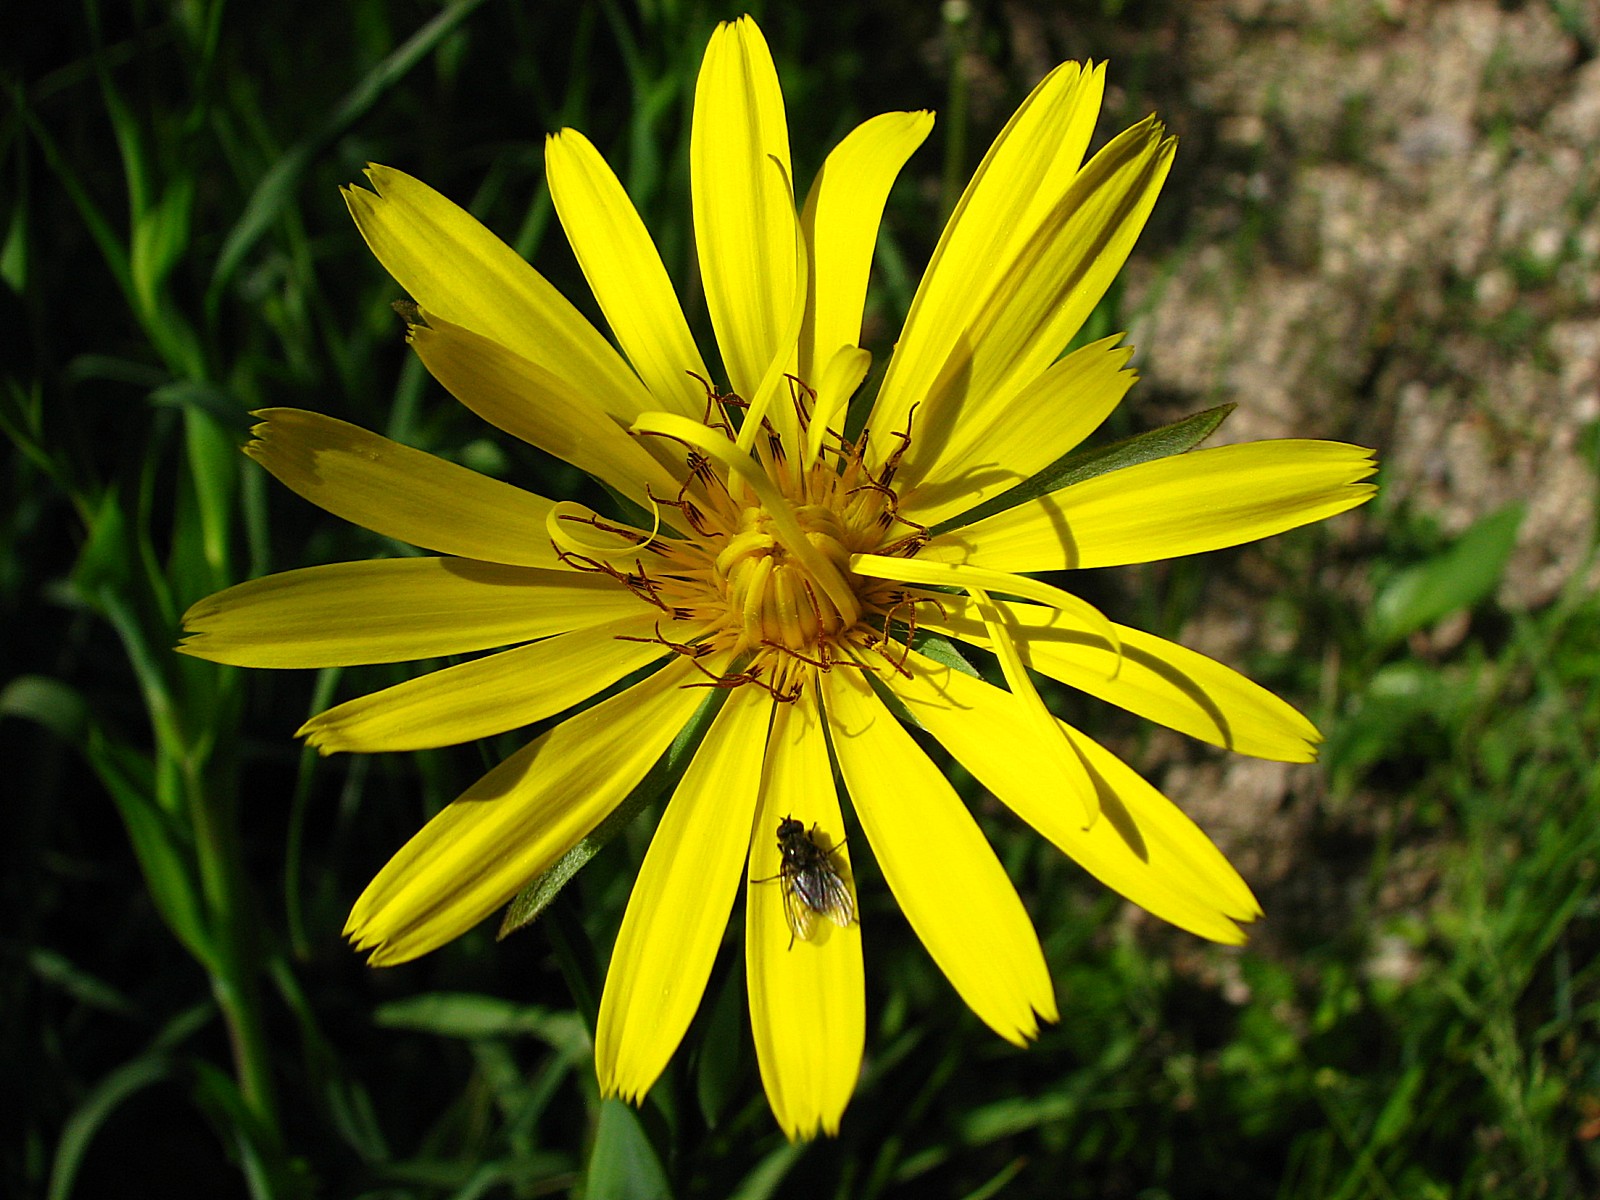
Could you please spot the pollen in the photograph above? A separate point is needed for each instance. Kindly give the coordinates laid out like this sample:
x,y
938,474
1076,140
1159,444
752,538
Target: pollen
x,y
751,567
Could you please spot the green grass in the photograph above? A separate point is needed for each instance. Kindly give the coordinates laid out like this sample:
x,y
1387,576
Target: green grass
x,y
175,254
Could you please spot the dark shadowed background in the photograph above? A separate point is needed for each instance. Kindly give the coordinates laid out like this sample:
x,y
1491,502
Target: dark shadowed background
x,y
1381,228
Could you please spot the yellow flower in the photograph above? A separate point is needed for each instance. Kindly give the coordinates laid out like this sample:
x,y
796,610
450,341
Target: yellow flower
x,y
774,565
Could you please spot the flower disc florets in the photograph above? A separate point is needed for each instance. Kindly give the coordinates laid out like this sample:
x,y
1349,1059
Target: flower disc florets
x,y
760,579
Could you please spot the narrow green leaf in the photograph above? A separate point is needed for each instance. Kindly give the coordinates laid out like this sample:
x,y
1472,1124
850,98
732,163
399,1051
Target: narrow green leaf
x,y
60,972
278,187
346,1100
763,1181
162,847
536,897
1397,701
158,241
220,405
214,466
719,1074
269,1173
105,563
48,702
465,1015
93,1111
100,229
1459,578
1399,1111
14,262
1016,1114
1080,464
944,652
998,1181
623,1165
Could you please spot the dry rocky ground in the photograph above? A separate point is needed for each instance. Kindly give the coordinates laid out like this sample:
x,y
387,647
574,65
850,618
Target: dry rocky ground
x,y
1382,228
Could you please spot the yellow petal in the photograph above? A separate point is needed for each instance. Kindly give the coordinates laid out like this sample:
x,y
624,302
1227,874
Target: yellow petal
x,y
456,269
841,376
841,225
1074,609
681,901
1157,679
1021,180
807,998
515,822
1185,504
1002,441
779,381
1142,846
1058,759
402,493
743,209
539,407
488,695
1042,297
935,859
1157,830
394,610
624,271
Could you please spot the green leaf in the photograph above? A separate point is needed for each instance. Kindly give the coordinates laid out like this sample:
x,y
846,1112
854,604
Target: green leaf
x,y
270,1174
279,187
998,1181
93,1111
213,464
160,239
1080,464
1399,1111
623,1165
14,262
536,896
764,1179
719,1074
105,563
944,652
162,846
47,702
59,971
1459,578
1390,717
470,1015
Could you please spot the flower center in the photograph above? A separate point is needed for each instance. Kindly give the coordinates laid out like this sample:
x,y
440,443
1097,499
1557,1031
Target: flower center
x,y
775,597
758,583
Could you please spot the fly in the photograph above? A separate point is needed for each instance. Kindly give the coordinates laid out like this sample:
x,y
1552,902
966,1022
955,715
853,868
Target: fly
x,y
810,882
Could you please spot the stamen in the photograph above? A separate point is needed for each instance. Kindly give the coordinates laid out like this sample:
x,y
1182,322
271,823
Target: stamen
x,y
802,397
566,513
687,650
766,572
822,664
716,402
752,674
777,507
691,513
892,463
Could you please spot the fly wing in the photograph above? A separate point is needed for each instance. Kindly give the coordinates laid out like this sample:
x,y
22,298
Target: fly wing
x,y
823,891
802,918
836,903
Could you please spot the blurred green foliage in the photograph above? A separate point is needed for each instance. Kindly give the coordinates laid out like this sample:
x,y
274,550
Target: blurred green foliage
x,y
175,993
